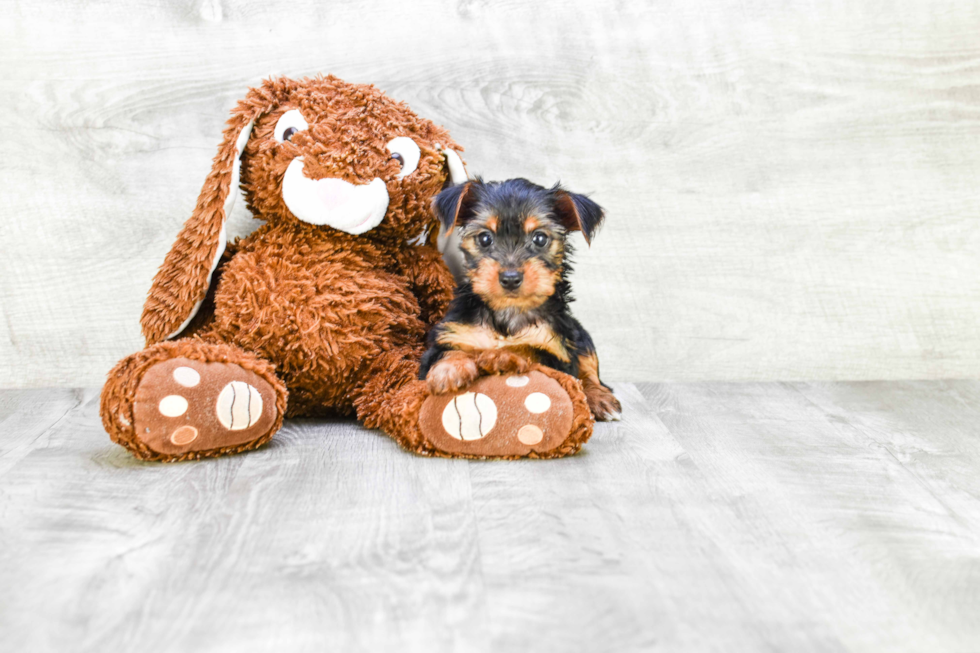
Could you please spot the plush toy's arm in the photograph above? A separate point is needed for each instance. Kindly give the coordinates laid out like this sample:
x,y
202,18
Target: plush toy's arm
x,y
432,282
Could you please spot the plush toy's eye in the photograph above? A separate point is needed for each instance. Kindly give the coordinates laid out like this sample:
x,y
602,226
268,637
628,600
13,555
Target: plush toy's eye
x,y
289,123
404,150
484,238
540,239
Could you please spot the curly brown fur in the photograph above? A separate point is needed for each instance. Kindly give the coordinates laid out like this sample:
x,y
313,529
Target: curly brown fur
x,y
319,310
320,307
515,296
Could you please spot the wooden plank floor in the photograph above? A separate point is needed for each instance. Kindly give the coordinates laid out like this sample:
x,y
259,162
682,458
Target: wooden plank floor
x,y
715,517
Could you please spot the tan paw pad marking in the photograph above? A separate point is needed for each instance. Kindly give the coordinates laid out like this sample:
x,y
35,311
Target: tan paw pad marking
x,y
183,435
530,434
239,406
469,416
517,381
173,406
187,376
537,402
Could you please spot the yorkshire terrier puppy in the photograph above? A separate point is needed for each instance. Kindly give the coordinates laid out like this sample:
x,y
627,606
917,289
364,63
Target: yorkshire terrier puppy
x,y
511,308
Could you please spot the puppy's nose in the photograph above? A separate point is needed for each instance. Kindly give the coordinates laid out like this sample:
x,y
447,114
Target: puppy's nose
x,y
511,279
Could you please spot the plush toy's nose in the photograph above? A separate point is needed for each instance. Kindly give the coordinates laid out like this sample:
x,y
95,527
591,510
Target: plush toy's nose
x,y
511,279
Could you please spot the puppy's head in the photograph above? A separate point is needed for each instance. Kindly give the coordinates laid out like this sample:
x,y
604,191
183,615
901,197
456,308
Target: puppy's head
x,y
513,237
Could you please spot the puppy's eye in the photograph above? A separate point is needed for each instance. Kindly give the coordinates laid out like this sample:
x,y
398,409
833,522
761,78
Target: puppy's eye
x,y
484,239
540,239
407,153
289,123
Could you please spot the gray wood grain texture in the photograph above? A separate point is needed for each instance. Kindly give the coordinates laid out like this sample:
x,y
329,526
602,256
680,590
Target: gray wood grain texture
x,y
716,517
791,187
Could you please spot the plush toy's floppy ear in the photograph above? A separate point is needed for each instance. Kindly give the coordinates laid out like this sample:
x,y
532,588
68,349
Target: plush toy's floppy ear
x,y
578,213
454,205
182,283
446,241
457,171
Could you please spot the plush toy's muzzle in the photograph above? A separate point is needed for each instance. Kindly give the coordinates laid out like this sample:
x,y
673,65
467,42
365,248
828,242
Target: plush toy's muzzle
x,y
352,208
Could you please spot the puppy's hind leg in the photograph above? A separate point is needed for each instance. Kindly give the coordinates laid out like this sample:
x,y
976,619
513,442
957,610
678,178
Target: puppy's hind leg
x,y
602,402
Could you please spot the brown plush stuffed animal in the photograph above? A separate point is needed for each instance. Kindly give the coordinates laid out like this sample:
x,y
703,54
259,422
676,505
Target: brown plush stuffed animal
x,y
323,309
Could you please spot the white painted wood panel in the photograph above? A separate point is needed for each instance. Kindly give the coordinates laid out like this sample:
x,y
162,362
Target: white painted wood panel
x,y
791,187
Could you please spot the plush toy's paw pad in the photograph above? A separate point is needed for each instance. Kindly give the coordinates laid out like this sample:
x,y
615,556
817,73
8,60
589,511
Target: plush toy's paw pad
x,y
185,405
499,416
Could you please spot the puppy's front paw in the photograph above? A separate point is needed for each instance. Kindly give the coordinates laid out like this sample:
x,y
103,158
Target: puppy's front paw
x,y
451,373
603,404
501,361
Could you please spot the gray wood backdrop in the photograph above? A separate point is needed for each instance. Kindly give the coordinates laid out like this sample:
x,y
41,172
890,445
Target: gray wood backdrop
x,y
791,186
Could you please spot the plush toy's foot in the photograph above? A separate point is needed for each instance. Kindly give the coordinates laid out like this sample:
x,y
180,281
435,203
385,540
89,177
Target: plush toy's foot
x,y
539,414
184,406
189,399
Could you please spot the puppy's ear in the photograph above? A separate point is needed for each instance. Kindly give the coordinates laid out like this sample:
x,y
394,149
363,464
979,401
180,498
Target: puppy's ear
x,y
578,213
454,206
179,288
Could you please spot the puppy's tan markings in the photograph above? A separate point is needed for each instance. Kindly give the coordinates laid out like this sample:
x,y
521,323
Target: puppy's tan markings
x,y
485,278
502,361
470,246
542,337
455,370
531,224
467,337
602,402
476,338
539,281
556,251
538,286
588,367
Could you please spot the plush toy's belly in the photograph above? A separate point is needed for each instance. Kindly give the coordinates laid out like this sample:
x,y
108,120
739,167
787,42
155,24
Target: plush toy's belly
x,y
321,319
